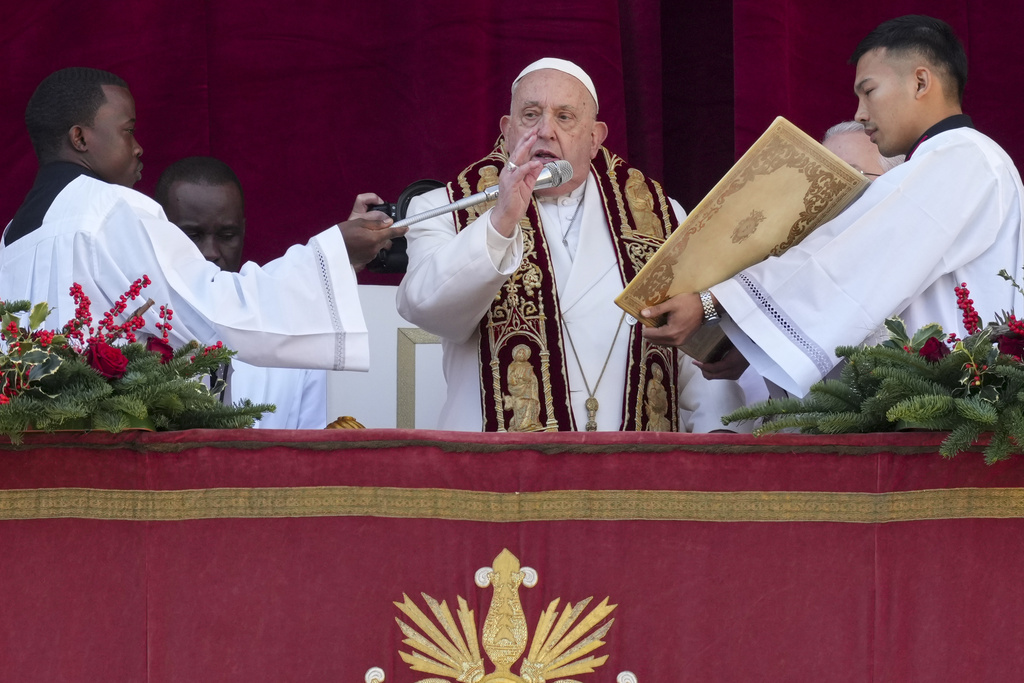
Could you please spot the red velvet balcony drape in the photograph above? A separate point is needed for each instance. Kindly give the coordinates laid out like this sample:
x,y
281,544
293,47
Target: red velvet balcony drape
x,y
272,556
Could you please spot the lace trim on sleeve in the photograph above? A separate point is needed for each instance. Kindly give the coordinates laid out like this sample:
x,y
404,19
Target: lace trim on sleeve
x,y
332,305
823,361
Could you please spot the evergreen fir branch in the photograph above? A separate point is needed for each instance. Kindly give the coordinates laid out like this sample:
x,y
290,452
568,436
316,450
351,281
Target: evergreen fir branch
x,y
769,408
13,308
976,410
127,405
839,423
884,356
47,382
912,383
110,421
960,439
877,406
834,395
1000,447
1013,422
920,409
241,415
805,422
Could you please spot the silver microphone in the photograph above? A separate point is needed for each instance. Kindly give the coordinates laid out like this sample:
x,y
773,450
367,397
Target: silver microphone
x,y
553,174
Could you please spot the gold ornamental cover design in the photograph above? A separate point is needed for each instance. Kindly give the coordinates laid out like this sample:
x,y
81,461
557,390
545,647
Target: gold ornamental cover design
x,y
560,647
782,188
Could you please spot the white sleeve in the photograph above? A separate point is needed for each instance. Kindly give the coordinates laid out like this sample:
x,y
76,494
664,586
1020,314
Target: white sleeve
x,y
452,278
301,310
952,210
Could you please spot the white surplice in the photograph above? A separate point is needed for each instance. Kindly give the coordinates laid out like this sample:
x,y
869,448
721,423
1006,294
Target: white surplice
x,y
950,214
301,310
300,396
453,279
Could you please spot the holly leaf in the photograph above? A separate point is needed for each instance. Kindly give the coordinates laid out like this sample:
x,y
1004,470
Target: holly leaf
x,y
897,331
7,320
38,315
925,333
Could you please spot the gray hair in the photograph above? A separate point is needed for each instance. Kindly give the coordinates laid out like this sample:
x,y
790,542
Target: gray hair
x,y
888,163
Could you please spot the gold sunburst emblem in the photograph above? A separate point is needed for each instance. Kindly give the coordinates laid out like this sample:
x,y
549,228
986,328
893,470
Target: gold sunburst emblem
x,y
561,645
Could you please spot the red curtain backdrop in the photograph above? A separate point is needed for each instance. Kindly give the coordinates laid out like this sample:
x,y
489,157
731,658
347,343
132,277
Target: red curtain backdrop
x,y
791,60
313,101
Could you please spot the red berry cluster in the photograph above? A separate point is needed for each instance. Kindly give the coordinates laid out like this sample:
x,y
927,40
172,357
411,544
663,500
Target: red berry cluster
x,y
966,304
12,387
973,367
166,314
126,329
44,337
83,315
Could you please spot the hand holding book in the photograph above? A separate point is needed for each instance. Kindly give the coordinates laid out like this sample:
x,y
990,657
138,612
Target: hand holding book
x,y
782,188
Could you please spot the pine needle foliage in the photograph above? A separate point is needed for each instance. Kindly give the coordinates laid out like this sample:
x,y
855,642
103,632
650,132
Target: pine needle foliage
x,y
51,380
917,382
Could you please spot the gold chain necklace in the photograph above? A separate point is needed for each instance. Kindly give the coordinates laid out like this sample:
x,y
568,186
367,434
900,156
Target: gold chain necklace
x,y
591,405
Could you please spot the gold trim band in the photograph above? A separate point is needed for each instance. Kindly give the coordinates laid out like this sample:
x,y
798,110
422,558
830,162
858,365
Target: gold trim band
x,y
483,506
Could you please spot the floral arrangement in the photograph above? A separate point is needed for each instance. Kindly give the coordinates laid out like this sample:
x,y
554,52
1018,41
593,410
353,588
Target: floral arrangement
x,y
928,380
102,377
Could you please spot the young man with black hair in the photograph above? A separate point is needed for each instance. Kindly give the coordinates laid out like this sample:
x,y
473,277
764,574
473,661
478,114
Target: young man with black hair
x,y
82,223
950,213
204,198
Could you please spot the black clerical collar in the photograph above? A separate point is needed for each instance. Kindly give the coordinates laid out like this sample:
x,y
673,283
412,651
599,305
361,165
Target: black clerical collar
x,y
949,123
50,181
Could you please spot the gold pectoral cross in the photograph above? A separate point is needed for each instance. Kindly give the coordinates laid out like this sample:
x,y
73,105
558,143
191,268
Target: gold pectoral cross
x,y
591,406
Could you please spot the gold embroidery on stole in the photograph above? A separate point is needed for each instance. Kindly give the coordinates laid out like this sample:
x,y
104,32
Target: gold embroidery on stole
x,y
524,316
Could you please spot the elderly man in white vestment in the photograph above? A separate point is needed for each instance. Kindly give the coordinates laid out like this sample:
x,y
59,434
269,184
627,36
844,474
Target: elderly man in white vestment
x,y
848,140
81,222
951,213
203,196
528,282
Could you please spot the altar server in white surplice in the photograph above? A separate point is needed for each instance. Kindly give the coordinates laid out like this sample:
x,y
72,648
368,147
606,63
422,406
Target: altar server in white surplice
x,y
950,213
522,291
203,197
81,222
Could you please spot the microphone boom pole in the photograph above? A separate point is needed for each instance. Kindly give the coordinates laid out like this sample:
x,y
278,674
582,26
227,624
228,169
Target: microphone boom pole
x,y
553,174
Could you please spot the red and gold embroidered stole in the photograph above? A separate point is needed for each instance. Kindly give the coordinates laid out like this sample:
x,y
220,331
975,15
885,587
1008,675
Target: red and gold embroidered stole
x,y
524,324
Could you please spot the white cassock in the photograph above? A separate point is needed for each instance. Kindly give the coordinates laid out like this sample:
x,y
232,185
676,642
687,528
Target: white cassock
x,y
300,396
452,280
950,214
301,310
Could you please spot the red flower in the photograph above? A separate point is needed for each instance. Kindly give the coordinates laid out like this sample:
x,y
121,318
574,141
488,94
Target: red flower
x,y
933,350
1011,344
158,345
106,360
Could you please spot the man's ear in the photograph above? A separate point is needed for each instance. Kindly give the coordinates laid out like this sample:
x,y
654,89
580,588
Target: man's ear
x,y
76,137
923,81
503,125
598,135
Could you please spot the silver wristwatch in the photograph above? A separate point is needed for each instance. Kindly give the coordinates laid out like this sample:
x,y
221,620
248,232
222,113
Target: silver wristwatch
x,y
711,316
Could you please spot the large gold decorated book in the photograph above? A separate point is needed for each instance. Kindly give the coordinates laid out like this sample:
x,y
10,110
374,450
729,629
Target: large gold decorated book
x,y
781,189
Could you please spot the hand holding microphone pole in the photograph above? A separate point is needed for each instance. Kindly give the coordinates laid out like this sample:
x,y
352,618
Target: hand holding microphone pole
x,y
553,174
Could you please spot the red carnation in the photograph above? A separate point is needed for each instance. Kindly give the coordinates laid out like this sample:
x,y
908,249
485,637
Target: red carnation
x,y
1011,345
933,350
158,345
106,360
